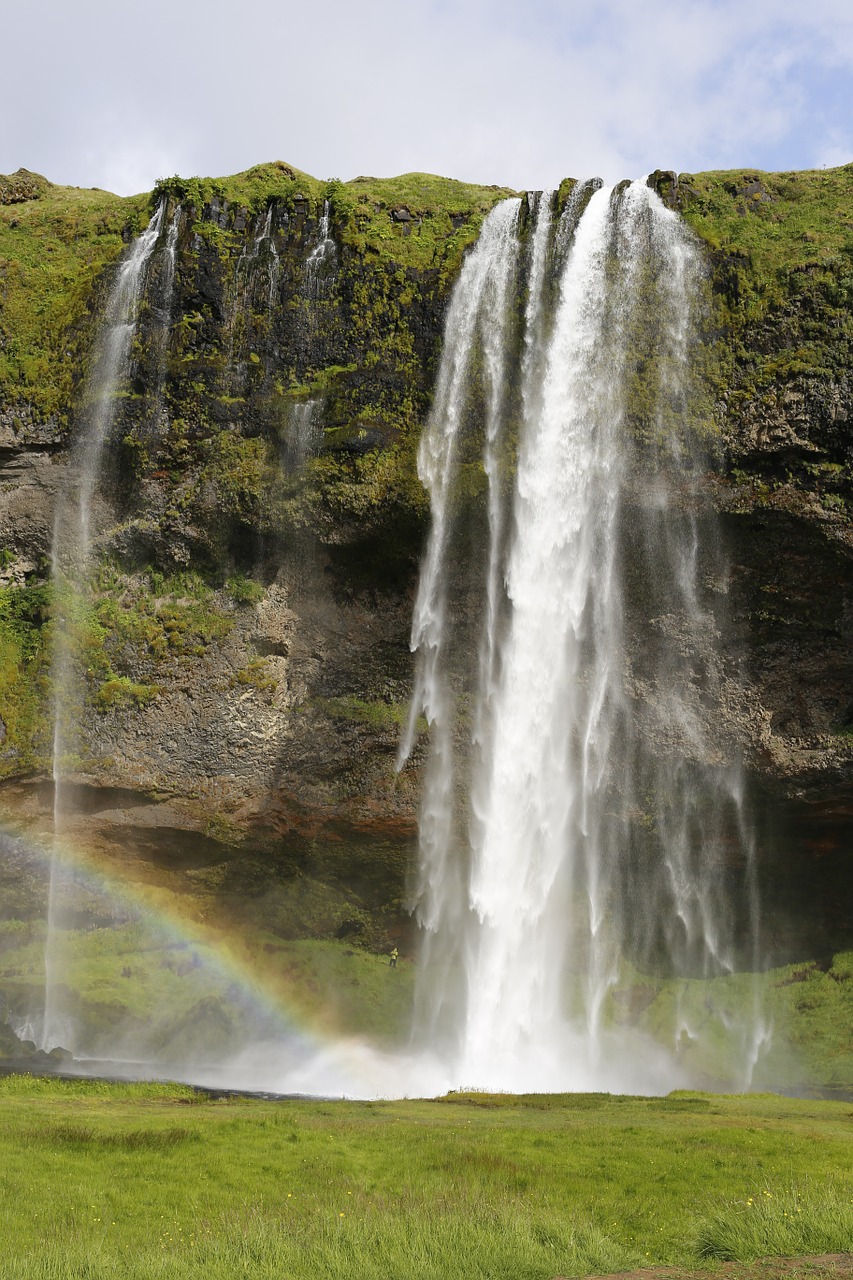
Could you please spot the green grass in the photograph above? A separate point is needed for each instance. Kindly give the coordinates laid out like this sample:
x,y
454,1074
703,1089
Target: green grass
x,y
153,1181
808,1013
52,251
390,716
446,216
798,1219
142,621
804,223
24,611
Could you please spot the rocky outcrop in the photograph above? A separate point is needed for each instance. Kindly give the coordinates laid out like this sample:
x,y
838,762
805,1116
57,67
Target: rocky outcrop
x,y
21,186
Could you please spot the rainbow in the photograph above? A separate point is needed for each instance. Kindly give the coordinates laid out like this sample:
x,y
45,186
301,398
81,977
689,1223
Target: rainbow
x,y
296,1049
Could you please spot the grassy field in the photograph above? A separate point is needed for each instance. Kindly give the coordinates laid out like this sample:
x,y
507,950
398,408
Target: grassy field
x,y
145,1181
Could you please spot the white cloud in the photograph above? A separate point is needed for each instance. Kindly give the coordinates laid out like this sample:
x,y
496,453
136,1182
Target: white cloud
x,y
481,89
835,154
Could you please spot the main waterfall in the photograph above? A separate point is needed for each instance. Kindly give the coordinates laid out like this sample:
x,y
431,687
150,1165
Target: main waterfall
x,y
579,827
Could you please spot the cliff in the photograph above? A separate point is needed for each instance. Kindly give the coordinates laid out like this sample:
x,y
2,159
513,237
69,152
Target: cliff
x,y
260,522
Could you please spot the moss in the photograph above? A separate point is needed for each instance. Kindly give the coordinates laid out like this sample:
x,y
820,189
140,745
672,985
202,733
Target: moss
x,y
235,476
322,380
52,253
24,672
147,623
379,715
245,591
120,691
256,675
345,487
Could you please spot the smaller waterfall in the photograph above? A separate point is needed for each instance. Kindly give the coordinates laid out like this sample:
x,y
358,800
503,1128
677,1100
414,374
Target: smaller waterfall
x,y
159,340
273,267
70,564
303,435
245,289
251,252
111,365
170,251
322,257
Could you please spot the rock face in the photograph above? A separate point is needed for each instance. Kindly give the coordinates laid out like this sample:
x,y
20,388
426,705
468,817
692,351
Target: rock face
x,y
259,519
22,1055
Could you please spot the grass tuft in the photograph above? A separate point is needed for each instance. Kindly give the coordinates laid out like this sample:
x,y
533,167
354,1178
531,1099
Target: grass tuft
x,y
86,1137
804,1218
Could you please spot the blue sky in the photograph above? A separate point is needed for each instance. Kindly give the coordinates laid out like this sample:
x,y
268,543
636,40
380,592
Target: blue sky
x,y
96,93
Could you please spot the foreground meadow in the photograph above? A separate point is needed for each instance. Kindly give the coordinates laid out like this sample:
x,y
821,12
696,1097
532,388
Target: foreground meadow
x,y
158,1181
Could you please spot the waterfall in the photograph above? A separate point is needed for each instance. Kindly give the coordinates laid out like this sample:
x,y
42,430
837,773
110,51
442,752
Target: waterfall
x,y
70,564
244,287
251,251
577,821
321,256
302,436
163,318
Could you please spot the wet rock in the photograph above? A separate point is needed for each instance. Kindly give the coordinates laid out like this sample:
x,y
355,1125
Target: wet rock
x,y
664,182
11,1046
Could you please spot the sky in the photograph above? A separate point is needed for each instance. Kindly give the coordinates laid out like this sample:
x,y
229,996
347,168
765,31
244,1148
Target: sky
x,y
99,93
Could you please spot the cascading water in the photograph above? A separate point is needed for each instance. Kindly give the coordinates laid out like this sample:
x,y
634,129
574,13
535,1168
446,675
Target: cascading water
x,y
262,242
320,256
70,563
577,822
480,294
302,436
163,316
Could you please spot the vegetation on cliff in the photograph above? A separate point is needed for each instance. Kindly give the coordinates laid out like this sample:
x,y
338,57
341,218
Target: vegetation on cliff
x,y
781,248
55,244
